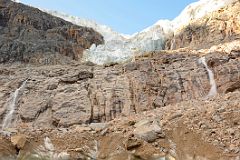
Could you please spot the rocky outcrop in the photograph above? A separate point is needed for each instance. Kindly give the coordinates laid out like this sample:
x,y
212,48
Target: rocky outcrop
x,y
216,28
7,150
31,36
195,129
60,96
159,106
19,141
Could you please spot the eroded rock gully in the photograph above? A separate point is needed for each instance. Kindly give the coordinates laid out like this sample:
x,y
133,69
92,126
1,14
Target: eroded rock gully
x,y
170,86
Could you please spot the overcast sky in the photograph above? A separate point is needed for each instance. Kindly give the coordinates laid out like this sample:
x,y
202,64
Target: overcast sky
x,y
124,16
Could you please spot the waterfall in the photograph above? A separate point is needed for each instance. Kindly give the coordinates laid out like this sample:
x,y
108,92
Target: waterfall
x,y
11,106
173,44
213,90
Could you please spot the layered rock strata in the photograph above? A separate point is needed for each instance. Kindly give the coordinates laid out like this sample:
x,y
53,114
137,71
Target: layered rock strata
x,y
215,28
60,96
29,35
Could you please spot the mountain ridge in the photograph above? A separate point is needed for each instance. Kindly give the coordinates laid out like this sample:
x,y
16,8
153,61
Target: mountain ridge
x,y
119,48
176,104
31,36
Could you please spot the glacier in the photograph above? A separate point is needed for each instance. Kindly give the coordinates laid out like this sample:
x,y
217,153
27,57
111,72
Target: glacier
x,y
120,48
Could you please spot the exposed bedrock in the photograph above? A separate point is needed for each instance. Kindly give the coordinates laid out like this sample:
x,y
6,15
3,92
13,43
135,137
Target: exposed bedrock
x,y
31,36
58,96
216,28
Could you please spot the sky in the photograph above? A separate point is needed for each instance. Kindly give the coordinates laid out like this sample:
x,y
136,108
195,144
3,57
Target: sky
x,y
124,16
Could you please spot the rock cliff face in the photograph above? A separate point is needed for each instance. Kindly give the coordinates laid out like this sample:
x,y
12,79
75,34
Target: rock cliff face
x,y
170,86
64,96
31,36
174,104
216,28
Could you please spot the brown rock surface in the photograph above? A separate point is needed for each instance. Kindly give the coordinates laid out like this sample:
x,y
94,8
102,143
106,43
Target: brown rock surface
x,y
154,108
31,36
19,141
7,150
206,129
86,94
169,88
215,28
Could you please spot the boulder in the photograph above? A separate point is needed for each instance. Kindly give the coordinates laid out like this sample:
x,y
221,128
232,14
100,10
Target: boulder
x,y
81,129
98,126
132,143
74,77
19,140
63,156
148,131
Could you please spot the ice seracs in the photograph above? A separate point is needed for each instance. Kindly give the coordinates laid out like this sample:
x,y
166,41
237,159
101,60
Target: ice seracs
x,y
152,38
120,48
115,50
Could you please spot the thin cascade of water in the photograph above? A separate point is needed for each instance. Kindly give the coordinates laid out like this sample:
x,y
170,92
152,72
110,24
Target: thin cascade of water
x,y
11,106
213,90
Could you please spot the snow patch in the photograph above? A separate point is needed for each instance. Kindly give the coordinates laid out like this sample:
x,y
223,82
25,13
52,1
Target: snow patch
x,y
18,1
198,10
106,31
120,48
